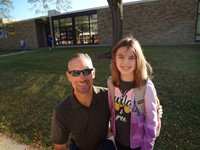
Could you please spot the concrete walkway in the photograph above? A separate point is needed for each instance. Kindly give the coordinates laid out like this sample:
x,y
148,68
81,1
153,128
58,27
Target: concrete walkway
x,y
17,53
10,144
10,54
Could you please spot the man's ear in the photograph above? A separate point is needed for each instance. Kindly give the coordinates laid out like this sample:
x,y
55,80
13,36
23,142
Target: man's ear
x,y
93,73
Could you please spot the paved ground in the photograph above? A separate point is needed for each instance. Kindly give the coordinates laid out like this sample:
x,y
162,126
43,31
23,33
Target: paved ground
x,y
16,53
9,144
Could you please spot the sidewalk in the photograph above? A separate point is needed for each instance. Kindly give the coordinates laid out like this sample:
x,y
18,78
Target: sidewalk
x,y
10,54
21,52
10,144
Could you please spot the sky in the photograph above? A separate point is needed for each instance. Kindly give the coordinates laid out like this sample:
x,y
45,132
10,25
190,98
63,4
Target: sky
x,y
22,10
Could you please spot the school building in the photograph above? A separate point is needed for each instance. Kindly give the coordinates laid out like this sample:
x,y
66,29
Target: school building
x,y
152,22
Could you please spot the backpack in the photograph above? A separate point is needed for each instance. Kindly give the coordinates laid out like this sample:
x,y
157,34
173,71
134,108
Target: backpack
x,y
139,98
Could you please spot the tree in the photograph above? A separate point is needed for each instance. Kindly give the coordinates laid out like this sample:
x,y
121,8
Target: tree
x,y
5,7
116,8
42,6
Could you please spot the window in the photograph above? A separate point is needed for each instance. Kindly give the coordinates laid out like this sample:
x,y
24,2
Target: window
x,y
93,28
86,29
55,23
65,22
198,23
77,28
57,36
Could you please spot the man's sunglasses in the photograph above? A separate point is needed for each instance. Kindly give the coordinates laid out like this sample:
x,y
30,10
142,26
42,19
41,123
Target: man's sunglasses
x,y
76,73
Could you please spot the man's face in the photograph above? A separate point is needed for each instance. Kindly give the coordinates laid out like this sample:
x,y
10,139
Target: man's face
x,y
82,84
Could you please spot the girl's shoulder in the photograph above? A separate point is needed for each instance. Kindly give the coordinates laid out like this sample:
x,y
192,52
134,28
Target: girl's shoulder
x,y
149,83
110,82
150,86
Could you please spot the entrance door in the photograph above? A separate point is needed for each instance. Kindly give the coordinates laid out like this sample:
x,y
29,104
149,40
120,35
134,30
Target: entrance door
x,y
66,35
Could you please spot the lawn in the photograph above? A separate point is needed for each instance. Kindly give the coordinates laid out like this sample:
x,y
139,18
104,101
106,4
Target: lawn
x,y
2,52
31,84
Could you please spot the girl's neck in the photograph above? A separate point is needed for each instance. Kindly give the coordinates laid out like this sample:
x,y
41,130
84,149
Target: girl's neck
x,y
127,78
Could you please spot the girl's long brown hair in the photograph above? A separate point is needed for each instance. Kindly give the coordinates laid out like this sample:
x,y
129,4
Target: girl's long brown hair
x,y
143,70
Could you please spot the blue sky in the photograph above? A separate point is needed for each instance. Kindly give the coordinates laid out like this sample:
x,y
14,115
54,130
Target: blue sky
x,y
22,10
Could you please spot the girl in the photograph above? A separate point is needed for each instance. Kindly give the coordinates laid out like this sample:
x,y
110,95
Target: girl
x,y
131,129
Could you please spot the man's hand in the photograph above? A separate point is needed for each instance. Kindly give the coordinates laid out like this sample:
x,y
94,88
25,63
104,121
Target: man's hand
x,y
60,147
160,111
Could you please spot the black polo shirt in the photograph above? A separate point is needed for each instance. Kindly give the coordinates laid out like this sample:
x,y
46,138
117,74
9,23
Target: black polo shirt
x,y
88,126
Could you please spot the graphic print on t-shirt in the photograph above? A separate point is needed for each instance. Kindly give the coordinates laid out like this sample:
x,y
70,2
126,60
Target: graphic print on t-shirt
x,y
122,104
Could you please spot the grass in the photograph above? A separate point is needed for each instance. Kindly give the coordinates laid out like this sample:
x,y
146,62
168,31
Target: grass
x,y
31,84
2,52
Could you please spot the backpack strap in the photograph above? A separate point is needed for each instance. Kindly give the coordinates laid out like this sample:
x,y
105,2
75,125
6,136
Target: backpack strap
x,y
159,119
140,103
139,98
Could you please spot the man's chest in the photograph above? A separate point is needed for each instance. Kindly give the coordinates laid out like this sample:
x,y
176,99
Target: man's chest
x,y
81,121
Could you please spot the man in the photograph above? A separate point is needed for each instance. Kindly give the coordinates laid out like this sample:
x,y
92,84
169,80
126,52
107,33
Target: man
x,y
84,114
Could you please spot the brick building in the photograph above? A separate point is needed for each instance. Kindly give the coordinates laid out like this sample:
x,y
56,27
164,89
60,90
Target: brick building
x,y
164,22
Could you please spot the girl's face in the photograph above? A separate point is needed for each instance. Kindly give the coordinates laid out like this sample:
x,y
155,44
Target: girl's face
x,y
126,63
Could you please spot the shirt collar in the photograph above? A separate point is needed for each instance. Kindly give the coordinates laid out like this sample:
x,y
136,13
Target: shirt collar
x,y
95,98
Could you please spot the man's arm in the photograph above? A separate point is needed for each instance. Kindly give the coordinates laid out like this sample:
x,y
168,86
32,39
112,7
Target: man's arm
x,y
60,147
59,134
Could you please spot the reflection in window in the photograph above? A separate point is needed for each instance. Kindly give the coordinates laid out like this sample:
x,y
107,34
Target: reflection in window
x,y
86,29
198,24
81,20
65,22
63,31
82,27
199,7
57,36
76,30
66,33
93,28
55,23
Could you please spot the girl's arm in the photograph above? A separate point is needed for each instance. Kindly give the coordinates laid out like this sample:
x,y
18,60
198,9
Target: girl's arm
x,y
151,121
111,94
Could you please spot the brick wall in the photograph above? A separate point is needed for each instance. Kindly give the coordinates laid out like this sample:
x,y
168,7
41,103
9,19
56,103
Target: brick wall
x,y
151,22
104,26
41,35
154,22
23,30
